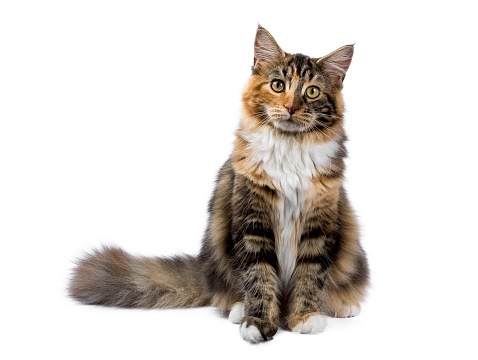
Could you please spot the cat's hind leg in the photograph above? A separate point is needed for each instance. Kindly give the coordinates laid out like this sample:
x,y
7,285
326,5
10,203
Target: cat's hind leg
x,y
346,287
237,313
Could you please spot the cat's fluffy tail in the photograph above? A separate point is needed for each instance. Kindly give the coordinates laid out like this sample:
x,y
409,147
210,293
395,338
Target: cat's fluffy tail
x,y
112,277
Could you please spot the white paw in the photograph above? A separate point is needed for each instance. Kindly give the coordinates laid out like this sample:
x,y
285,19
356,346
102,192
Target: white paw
x,y
348,311
313,325
354,311
237,313
251,333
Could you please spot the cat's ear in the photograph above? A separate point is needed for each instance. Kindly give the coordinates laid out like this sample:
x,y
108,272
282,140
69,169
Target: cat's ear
x,y
337,63
265,48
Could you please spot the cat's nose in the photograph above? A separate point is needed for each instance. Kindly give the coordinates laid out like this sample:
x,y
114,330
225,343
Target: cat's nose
x,y
291,109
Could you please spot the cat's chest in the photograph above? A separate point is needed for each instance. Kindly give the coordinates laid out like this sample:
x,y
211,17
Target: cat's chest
x,y
290,166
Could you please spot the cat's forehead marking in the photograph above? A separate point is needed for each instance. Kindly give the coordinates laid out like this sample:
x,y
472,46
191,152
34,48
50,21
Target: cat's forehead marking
x,y
294,66
295,83
299,66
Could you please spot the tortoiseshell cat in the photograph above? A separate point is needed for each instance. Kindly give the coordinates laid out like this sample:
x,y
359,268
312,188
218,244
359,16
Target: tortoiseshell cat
x,y
282,240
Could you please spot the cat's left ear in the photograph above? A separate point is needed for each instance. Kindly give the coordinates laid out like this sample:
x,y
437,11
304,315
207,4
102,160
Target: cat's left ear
x,y
337,63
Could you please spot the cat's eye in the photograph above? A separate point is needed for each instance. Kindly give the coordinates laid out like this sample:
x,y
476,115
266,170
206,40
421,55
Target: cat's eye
x,y
312,92
277,85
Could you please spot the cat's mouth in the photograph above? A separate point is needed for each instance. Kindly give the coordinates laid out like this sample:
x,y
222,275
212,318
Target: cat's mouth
x,y
289,124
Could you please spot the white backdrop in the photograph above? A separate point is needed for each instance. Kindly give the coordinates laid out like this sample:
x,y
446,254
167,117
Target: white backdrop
x,y
115,117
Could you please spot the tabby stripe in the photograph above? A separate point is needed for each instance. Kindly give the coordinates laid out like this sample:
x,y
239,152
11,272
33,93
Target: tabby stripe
x,y
324,256
312,234
332,102
249,258
258,229
327,226
323,260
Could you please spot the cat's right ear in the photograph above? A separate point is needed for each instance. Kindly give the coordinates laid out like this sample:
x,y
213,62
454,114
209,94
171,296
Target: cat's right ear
x,y
265,48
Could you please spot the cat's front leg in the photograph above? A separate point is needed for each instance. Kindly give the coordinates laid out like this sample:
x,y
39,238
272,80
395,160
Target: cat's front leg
x,y
257,262
261,318
304,313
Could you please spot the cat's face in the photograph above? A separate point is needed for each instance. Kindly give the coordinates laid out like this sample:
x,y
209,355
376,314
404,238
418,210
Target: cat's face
x,y
295,94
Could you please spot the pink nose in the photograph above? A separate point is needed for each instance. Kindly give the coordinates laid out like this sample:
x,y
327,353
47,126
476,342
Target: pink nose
x,y
291,109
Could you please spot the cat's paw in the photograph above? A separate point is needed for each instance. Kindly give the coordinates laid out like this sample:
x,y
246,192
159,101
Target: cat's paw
x,y
256,330
251,333
237,313
344,311
312,323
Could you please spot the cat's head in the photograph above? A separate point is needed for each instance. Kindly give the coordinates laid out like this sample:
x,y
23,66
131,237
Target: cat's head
x,y
295,94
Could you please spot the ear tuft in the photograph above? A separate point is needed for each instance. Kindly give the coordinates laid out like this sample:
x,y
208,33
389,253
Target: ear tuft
x,y
265,47
337,63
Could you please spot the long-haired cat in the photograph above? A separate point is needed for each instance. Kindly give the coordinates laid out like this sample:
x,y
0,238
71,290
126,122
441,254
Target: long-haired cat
x,y
282,242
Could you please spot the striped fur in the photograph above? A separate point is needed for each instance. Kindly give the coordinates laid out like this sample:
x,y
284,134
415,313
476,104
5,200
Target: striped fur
x,y
282,240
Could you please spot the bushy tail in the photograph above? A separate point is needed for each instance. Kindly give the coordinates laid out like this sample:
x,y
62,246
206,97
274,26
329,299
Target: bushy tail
x,y
112,277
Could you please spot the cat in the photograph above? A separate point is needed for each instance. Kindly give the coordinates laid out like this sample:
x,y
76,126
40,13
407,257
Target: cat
x,y
282,242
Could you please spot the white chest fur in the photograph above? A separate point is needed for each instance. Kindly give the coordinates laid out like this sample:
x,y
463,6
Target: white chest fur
x,y
291,166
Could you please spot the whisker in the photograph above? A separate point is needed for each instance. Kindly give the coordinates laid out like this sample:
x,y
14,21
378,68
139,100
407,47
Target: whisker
x,y
323,133
328,128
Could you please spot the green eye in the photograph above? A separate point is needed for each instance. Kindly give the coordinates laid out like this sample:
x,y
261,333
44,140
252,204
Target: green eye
x,y
312,92
277,85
